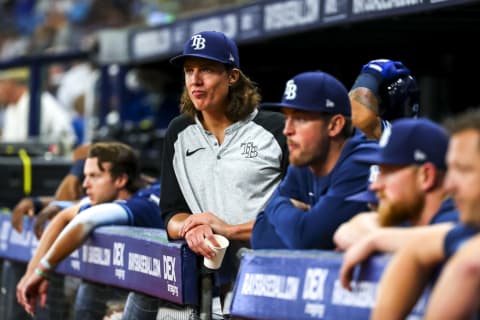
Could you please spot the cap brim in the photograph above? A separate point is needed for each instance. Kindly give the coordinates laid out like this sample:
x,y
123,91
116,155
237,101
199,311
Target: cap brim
x,y
285,105
178,60
377,158
364,196
370,158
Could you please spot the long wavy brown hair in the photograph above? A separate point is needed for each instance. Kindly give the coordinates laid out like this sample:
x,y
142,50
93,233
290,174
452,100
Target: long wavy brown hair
x,y
243,98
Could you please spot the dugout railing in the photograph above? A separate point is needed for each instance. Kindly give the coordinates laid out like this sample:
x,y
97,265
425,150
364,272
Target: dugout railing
x,y
271,284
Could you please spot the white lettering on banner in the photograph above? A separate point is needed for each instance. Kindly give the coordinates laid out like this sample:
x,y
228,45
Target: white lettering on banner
x,y
144,264
118,249
313,289
291,14
270,285
98,255
226,23
172,289
315,310
169,268
247,21
6,226
362,6
120,274
179,34
21,239
363,295
75,264
75,254
331,7
151,42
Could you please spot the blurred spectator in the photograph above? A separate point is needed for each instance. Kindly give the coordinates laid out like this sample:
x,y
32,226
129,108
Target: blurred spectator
x,y
12,43
76,93
55,123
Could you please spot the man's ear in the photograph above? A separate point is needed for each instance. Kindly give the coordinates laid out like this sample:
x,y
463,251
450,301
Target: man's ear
x,y
335,125
427,176
121,181
233,76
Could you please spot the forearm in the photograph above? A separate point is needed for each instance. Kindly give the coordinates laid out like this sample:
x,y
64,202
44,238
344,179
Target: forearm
x,y
312,229
49,236
240,231
357,228
392,239
175,225
400,287
408,273
457,291
388,240
80,228
67,242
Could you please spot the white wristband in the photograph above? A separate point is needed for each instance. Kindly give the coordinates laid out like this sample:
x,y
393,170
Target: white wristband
x,y
44,263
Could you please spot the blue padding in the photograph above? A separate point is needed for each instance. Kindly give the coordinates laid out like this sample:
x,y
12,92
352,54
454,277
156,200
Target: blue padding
x,y
139,259
281,284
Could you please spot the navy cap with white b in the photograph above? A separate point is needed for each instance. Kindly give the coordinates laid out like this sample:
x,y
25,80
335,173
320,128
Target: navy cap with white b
x,y
211,45
315,91
411,141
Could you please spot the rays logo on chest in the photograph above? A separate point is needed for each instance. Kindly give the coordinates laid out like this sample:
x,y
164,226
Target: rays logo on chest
x,y
249,150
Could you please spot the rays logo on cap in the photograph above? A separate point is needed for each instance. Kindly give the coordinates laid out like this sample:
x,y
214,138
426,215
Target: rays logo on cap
x,y
374,172
385,136
198,42
290,90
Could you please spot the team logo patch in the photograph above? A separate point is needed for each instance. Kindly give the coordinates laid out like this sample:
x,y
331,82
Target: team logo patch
x,y
385,137
419,155
249,150
190,152
374,172
290,90
198,42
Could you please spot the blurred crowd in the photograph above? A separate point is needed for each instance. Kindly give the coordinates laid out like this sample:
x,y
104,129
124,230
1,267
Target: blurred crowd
x,y
34,26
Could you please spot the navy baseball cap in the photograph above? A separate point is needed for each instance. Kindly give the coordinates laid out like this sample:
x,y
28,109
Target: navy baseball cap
x,y
368,195
315,91
212,45
411,141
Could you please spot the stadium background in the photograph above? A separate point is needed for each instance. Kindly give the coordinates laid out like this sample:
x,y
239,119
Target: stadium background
x,y
434,38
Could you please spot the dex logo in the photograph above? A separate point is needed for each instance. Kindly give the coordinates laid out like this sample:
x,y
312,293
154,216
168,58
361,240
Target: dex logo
x,y
118,249
169,268
290,90
198,42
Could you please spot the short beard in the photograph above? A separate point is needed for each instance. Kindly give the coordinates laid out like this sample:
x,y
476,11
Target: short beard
x,y
393,214
320,156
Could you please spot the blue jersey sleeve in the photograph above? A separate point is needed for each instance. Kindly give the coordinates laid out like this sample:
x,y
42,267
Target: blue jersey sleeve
x,y
456,237
447,213
143,208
